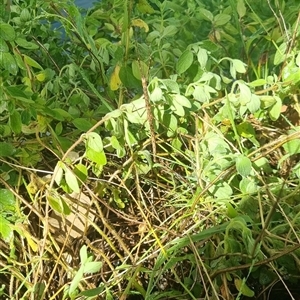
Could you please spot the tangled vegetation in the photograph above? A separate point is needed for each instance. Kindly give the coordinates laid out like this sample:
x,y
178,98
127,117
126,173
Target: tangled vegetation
x,y
149,149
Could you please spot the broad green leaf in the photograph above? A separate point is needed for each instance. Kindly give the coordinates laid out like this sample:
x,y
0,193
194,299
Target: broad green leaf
x,y
245,93
8,62
92,267
202,57
3,46
245,129
144,7
184,61
58,173
170,30
275,110
139,69
25,15
82,124
57,203
254,104
243,165
292,147
258,82
221,19
97,157
280,54
5,228
241,8
94,141
239,65
25,44
15,122
242,287
178,109
7,32
247,186
16,92
81,172
206,14
7,201
156,94
71,180
6,149
128,79
183,101
115,142
31,62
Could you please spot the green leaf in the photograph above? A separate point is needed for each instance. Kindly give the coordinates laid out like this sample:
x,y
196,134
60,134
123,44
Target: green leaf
x,y
254,104
3,46
15,122
94,141
81,172
8,62
71,180
92,267
292,147
243,165
184,61
242,287
245,129
7,201
202,57
95,156
25,44
139,69
241,8
83,254
239,65
258,82
58,172
183,101
275,110
31,62
6,149
221,19
16,92
57,203
75,282
206,14
6,230
7,32
170,30
92,292
280,54
82,124
144,7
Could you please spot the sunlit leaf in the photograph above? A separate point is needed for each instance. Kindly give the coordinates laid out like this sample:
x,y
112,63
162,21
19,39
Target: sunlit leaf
x,y
94,141
221,19
242,287
241,8
243,165
275,110
71,180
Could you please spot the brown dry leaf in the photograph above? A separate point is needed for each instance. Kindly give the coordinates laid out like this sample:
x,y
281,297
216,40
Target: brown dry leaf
x,y
77,222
